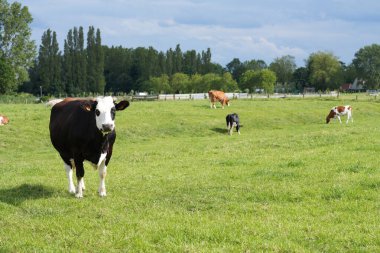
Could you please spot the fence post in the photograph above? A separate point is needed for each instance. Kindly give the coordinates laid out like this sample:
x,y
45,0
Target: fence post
x,y
356,97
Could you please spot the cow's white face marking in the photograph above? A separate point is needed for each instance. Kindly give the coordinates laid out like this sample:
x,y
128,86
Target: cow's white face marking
x,y
105,114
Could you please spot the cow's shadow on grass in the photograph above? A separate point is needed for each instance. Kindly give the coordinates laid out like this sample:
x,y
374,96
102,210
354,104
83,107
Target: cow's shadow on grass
x,y
219,130
16,195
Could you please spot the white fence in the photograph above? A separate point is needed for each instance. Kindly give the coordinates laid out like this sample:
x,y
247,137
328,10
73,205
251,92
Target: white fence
x,y
194,96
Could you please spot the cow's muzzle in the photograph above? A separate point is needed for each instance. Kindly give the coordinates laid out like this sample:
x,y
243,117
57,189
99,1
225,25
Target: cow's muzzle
x,y
107,128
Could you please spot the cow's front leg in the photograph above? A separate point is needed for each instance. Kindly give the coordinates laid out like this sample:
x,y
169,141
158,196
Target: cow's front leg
x,y
230,129
80,175
69,174
102,176
349,116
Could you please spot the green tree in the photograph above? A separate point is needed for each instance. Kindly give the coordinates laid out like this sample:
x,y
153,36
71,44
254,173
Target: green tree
x,y
325,71
81,60
228,83
7,77
206,66
255,65
267,79
179,83
284,68
349,73
91,60
157,85
49,64
190,62
68,66
57,85
178,58
99,63
301,78
196,84
236,68
212,81
367,64
95,62
161,63
117,64
248,81
259,79
170,62
16,48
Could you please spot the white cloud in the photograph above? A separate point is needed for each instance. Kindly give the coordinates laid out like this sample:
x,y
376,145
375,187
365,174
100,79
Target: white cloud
x,y
232,29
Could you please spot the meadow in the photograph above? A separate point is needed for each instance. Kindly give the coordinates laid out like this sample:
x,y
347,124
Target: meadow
x,y
178,183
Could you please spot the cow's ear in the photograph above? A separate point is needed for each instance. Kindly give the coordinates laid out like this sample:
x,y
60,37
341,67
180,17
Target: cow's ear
x,y
89,105
121,105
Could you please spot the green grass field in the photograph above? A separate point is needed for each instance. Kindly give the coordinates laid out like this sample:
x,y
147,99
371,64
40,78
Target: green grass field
x,y
178,183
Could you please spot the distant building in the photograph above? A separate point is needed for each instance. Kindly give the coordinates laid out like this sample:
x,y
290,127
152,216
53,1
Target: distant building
x,y
352,87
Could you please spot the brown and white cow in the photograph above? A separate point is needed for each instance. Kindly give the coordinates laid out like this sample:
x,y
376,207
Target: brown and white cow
x,y
338,111
3,120
82,130
217,95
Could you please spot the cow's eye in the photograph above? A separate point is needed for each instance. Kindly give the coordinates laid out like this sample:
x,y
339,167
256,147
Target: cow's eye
x,y
113,112
97,112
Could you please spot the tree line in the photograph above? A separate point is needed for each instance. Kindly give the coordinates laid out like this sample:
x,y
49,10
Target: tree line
x,y
86,66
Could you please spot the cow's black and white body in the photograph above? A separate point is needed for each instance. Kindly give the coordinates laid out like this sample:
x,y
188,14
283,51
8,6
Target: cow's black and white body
x,y
84,130
232,121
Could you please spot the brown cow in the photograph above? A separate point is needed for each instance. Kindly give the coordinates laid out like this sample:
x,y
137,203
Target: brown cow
x,y
3,120
217,95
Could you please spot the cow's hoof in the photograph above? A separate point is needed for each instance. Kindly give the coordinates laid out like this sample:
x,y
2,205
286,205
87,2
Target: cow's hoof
x,y
72,189
102,193
79,195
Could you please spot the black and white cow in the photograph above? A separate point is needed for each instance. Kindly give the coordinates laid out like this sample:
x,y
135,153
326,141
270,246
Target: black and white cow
x,y
84,130
232,121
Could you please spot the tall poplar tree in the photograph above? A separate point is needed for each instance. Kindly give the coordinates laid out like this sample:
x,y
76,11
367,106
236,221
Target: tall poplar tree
x,y
91,60
81,62
169,62
178,60
49,64
68,64
99,64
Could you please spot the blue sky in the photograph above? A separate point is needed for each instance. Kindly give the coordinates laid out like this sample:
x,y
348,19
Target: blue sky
x,y
232,29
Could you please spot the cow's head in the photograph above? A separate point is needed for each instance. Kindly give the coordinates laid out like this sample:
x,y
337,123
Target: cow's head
x,y
330,116
105,110
227,101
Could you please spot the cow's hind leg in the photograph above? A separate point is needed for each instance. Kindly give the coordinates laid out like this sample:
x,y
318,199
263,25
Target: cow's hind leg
x,y
69,174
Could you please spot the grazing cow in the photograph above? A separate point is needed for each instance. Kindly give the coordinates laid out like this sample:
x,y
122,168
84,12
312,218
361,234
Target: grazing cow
x,y
232,121
84,130
3,120
217,95
338,111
